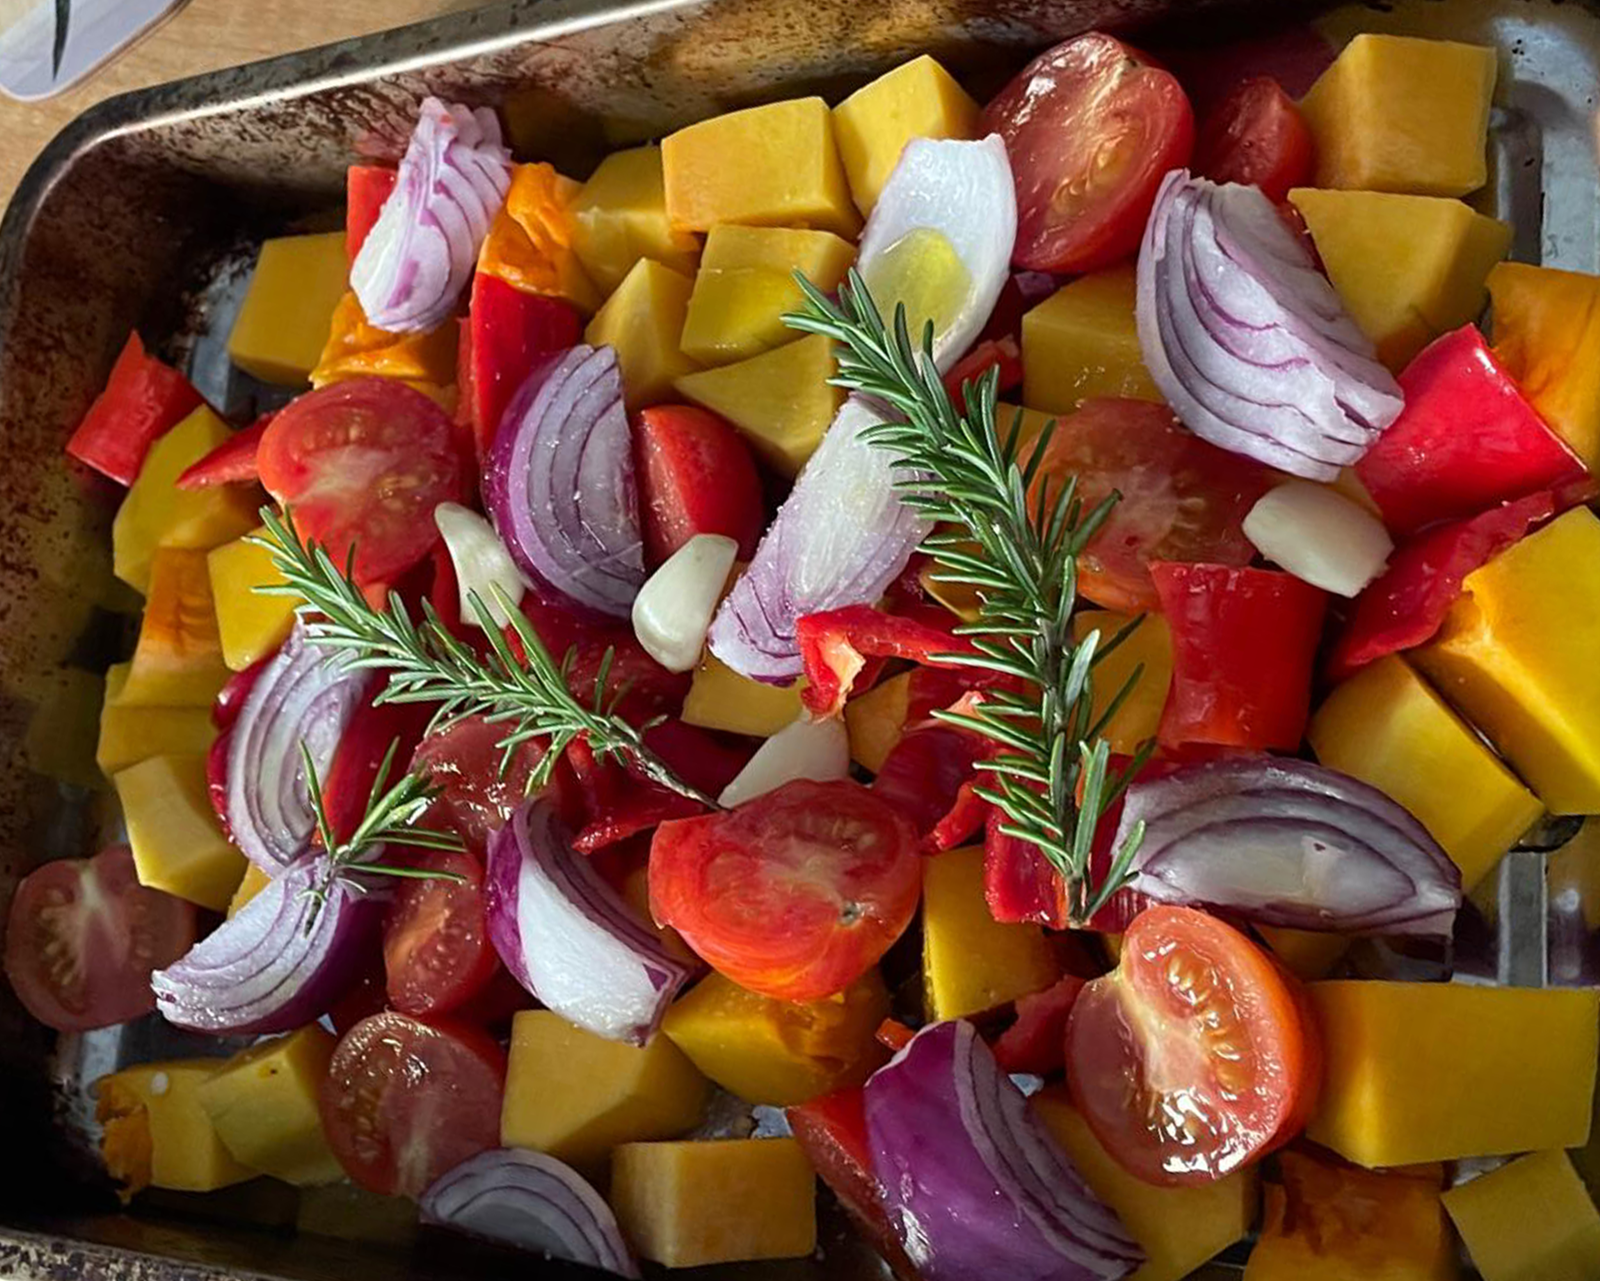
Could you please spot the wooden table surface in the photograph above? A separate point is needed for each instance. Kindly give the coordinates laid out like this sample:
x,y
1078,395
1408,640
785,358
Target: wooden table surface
x,y
203,36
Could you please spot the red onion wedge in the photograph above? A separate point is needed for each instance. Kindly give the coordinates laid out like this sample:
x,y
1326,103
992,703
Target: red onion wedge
x,y
842,536
568,937
560,486
421,253
1247,340
304,695
1289,843
532,1202
281,963
973,1183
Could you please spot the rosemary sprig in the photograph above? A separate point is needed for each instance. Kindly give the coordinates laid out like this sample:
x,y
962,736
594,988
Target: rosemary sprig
x,y
425,663
1051,777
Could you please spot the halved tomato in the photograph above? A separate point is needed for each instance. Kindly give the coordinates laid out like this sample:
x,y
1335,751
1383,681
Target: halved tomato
x,y
361,465
478,787
795,894
1196,1056
405,1101
83,938
1256,135
1180,498
436,948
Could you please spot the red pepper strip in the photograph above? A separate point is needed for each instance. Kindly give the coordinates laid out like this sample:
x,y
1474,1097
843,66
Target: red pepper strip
x,y
233,462
506,332
1036,1042
928,777
224,712
1019,883
1468,439
1243,644
614,803
141,402
1004,354
836,644
360,754
706,761
893,1035
366,187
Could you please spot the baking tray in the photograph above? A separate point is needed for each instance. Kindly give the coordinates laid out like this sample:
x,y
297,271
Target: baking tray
x,y
145,212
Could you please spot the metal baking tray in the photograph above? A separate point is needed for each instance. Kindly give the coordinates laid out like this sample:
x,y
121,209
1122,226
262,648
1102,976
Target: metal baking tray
x,y
145,212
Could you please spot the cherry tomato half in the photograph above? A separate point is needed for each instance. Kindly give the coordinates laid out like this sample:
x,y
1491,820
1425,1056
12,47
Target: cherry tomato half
x,y
405,1101
477,789
795,894
436,949
1256,135
1196,1055
1090,127
84,936
363,464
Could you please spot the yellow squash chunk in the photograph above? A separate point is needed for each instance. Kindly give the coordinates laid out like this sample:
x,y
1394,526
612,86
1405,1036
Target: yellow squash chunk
x,y
156,1133
1082,342
720,698
1309,954
1438,1071
1178,1228
129,735
1386,727
781,400
780,1052
746,284
971,962
1516,655
286,316
254,881
178,660
918,99
250,624
620,216
356,349
876,719
1531,1220
1409,268
685,1205
263,1105
156,513
1547,332
643,320
530,243
636,894
771,166
1148,647
177,842
1394,113
576,1095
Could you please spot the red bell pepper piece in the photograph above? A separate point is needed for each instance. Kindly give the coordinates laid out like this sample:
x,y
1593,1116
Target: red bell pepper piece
x,y
233,462
1243,645
1037,1041
836,644
1004,354
141,402
696,476
506,332
1467,439
1019,883
224,712
893,1035
929,776
700,758
366,187
615,803
372,731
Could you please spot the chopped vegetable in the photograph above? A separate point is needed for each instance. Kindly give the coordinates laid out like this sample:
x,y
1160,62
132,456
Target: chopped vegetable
x,y
233,462
721,699
506,333
356,349
437,957
836,645
643,322
818,750
251,624
1319,536
696,476
1256,136
156,1134
178,844
672,612
1082,343
1531,1220
178,660
1036,1042
1145,650
482,564
366,189
530,244
298,282
620,217
142,401
930,776
129,735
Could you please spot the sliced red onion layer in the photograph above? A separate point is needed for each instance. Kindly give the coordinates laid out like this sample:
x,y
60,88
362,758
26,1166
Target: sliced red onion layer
x,y
973,1183
568,937
842,536
304,695
421,253
1247,340
531,1202
560,486
1289,843
281,963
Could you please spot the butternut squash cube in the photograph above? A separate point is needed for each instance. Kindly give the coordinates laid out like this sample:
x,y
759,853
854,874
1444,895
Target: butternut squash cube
x,y
779,1052
1394,113
576,1095
129,735
1386,727
971,962
771,166
177,841
1082,342
289,308
358,349
263,1104
685,1205
720,698
746,284
620,216
156,513
1177,1228
1148,647
255,880
1408,268
1309,954
156,1133
875,720
643,320
781,400
1516,655
1437,1071
1531,1220
251,625
178,660
918,99
1547,333
530,244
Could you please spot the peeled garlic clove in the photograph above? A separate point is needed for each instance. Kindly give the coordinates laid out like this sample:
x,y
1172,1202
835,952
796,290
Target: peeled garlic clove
x,y
816,750
672,612
1320,536
481,561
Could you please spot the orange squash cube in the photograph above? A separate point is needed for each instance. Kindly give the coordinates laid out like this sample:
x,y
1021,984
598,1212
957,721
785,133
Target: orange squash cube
x,y
178,661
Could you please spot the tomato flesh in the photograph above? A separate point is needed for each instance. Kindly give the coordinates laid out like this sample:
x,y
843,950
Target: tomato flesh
x,y
1196,1056
475,795
436,949
1256,136
795,894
